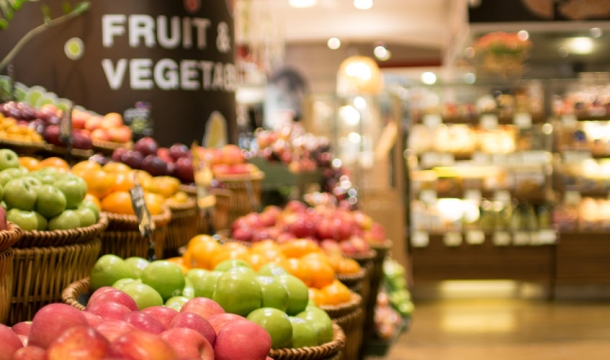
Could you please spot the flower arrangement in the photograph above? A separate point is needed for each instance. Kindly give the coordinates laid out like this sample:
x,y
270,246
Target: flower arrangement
x,y
502,43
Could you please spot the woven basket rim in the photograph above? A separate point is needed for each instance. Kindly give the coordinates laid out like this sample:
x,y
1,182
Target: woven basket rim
x,y
369,255
346,307
386,245
102,221
111,145
322,351
31,238
190,204
10,236
132,221
70,294
352,277
259,175
25,144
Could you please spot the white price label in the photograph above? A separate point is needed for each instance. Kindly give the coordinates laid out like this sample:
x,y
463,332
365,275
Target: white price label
x,y
452,239
576,156
501,238
420,239
523,120
475,237
489,121
432,120
569,120
473,194
521,238
547,236
428,196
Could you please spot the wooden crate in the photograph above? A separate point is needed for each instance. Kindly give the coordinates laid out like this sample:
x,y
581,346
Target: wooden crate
x,y
583,258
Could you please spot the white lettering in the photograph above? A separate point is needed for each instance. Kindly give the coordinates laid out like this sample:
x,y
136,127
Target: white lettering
x,y
112,25
230,77
141,26
166,75
114,76
206,68
218,80
187,37
188,75
165,40
140,73
201,25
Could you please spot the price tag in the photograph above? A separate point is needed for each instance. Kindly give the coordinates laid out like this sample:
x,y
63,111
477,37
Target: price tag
x,y
569,120
481,158
203,179
502,196
547,236
428,196
420,239
489,121
452,239
65,127
430,159
432,120
139,206
501,238
576,156
522,238
475,237
523,120
473,195
535,157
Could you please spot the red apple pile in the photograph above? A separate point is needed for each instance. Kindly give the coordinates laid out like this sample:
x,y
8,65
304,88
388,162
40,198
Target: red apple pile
x,y
113,328
352,231
228,160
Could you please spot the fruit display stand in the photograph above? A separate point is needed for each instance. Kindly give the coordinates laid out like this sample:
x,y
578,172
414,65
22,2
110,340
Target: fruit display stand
x,y
350,317
220,214
8,237
278,175
123,237
181,228
245,193
108,147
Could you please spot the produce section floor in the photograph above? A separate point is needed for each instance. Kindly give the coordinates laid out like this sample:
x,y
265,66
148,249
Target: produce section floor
x,y
506,329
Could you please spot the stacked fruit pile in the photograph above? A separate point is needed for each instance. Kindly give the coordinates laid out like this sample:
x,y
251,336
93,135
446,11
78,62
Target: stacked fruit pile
x,y
11,129
46,199
271,298
353,231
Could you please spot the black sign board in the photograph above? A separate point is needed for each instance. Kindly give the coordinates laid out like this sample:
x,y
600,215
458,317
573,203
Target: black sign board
x,y
493,11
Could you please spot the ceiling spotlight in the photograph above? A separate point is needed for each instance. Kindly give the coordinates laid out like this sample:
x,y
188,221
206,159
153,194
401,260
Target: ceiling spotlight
x,y
303,3
363,4
428,78
381,53
333,43
523,35
564,52
580,45
596,32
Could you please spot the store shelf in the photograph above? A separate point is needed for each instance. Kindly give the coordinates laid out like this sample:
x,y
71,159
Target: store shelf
x,y
533,196
583,257
477,119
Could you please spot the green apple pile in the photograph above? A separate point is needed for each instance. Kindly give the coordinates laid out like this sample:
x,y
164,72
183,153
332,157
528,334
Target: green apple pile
x,y
271,298
44,199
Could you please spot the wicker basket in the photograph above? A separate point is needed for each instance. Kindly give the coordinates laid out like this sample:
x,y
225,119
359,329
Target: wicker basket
x,y
181,228
220,215
354,281
41,274
10,236
350,317
329,350
123,237
6,283
241,203
21,147
35,238
108,147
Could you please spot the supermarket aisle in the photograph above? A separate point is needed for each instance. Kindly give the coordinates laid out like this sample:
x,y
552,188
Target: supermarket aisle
x,y
506,329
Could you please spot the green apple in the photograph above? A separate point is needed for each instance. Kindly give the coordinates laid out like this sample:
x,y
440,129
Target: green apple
x,y
50,202
276,323
232,263
298,294
144,295
43,224
272,269
47,176
275,294
107,270
193,274
189,290
4,206
176,302
165,277
26,220
205,285
303,333
91,206
119,284
238,292
74,188
85,215
311,303
19,194
321,322
8,159
32,181
8,175
67,220
1,192
137,264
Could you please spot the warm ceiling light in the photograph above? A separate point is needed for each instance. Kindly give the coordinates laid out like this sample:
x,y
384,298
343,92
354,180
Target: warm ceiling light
x,y
333,43
303,3
580,45
363,4
428,78
523,35
359,75
596,32
381,53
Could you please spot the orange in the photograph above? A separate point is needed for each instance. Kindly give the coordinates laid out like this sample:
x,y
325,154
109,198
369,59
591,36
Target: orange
x,y
99,182
94,200
272,255
118,202
318,256
348,266
262,246
336,293
317,296
123,181
202,254
29,163
178,261
58,163
154,202
234,246
85,166
227,255
299,248
296,267
256,261
116,167
165,185
199,239
322,273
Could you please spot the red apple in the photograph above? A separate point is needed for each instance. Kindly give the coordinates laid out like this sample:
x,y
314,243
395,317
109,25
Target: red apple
x,y
114,118
116,296
92,319
231,155
109,310
220,320
3,224
116,154
154,165
239,169
195,322
146,146
10,342
99,292
30,353
221,169
79,118
285,237
203,307
100,135
295,206
145,322
303,227
112,329
22,328
243,234
51,321
163,153
93,123
240,340
188,343
164,314
132,158
139,345
184,170
79,342
121,134
178,151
